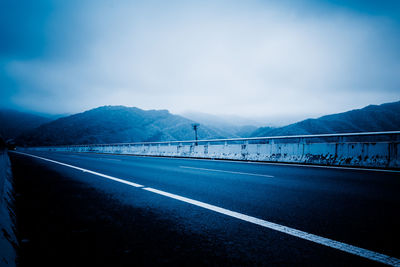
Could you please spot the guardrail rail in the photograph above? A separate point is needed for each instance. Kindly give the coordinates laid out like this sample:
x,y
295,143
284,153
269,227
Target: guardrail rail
x,y
366,149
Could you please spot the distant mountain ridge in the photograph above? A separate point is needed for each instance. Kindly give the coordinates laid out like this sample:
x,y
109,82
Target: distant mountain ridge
x,y
14,123
119,124
373,118
116,124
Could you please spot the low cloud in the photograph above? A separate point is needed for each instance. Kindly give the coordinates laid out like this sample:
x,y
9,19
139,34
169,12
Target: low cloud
x,y
250,59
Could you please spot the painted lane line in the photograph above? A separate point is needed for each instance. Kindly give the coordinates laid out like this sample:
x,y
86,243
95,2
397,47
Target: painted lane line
x,y
319,166
215,170
364,253
85,170
112,159
288,164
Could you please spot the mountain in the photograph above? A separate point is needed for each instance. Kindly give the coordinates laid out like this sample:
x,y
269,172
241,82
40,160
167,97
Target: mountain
x,y
14,123
119,124
373,118
230,126
116,124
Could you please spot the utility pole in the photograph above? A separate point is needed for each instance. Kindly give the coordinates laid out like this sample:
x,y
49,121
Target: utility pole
x,y
195,127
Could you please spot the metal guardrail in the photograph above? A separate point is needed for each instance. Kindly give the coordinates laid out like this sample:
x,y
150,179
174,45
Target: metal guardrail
x,y
314,138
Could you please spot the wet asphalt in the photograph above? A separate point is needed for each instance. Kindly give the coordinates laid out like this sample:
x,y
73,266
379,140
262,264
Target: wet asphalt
x,y
66,217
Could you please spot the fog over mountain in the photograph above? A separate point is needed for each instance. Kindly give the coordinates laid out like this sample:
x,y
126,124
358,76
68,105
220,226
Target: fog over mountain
x,y
218,120
234,126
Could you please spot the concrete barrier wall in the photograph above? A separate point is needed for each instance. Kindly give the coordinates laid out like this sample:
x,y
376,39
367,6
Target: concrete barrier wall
x,y
337,150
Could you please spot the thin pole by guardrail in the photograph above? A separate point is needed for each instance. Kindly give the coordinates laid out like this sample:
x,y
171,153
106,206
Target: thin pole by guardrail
x,y
244,139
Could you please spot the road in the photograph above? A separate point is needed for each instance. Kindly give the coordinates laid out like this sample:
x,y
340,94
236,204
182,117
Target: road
x,y
128,210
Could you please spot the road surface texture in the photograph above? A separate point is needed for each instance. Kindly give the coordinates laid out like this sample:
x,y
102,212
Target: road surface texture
x,y
118,210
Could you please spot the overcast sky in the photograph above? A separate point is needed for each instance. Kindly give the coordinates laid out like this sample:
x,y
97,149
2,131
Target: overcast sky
x,y
272,59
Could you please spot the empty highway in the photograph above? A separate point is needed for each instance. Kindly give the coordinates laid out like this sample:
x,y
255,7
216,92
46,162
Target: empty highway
x,y
79,209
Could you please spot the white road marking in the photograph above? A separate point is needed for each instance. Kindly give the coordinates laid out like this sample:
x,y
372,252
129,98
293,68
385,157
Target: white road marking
x,y
111,159
85,170
215,170
364,253
287,164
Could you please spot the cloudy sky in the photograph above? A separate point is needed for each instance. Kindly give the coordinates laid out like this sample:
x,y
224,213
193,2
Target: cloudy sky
x,y
271,59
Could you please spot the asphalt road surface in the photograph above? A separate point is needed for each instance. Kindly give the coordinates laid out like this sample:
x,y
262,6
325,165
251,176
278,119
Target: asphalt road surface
x,y
118,210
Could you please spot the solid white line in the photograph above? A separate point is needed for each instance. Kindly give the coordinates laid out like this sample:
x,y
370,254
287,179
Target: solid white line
x,y
319,166
288,164
364,253
85,170
111,159
215,170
